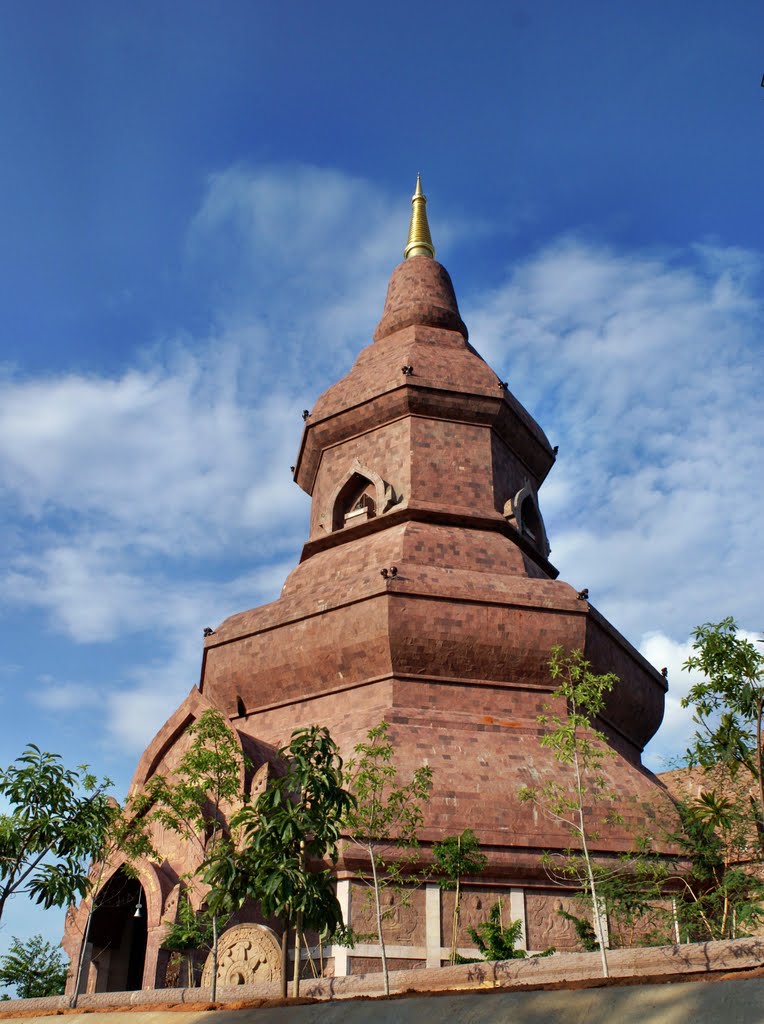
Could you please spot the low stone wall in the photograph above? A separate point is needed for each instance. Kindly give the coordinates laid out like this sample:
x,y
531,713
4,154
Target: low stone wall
x,y
649,963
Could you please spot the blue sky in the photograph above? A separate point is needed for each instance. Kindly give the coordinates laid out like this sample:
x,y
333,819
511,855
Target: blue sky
x,y
200,206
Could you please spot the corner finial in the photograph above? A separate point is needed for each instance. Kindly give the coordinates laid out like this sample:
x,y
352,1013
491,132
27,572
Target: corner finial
x,y
419,241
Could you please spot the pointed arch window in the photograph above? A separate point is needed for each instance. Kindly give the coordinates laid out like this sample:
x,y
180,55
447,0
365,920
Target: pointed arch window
x,y
355,503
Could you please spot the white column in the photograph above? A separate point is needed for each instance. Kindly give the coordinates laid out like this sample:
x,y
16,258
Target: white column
x,y
432,923
341,952
517,913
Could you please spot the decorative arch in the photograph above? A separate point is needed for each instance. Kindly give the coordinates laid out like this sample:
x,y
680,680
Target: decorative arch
x,y
192,708
524,514
361,495
128,909
155,888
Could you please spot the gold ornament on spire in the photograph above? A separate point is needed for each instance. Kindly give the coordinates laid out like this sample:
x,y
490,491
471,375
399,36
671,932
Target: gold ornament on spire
x,y
420,240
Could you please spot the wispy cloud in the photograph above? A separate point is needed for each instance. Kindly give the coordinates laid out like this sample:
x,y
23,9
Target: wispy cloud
x,y
154,502
302,252
60,696
646,370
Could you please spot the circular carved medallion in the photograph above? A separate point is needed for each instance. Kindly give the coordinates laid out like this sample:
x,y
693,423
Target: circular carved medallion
x,y
248,954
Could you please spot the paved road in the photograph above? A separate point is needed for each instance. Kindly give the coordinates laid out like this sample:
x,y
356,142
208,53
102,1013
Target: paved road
x,y
723,1002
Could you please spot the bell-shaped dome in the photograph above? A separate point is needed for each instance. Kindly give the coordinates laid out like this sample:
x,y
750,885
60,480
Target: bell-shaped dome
x,y
420,292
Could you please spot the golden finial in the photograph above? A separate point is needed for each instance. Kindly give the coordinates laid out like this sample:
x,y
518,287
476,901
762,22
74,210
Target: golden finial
x,y
420,240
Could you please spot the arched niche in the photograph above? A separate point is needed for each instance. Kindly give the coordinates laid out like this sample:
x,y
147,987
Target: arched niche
x,y
361,496
524,514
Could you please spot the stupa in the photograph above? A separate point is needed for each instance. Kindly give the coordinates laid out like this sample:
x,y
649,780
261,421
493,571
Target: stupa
x,y
424,597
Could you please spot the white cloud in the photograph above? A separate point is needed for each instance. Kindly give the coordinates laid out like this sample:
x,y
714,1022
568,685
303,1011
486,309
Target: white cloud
x,y
53,696
159,455
304,252
677,729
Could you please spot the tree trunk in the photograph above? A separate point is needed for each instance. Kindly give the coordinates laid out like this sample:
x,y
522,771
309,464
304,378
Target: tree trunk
x,y
599,928
455,921
378,906
311,961
597,920
457,897
81,959
760,761
298,936
214,957
85,936
297,954
284,957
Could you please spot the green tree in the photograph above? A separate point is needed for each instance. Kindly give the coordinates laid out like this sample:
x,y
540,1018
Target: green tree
x,y
497,941
455,857
385,819
36,968
704,891
728,703
574,741
721,898
55,824
283,842
189,932
206,783
633,892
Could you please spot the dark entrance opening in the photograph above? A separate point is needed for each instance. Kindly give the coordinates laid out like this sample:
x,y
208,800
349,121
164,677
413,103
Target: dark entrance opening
x,y
118,935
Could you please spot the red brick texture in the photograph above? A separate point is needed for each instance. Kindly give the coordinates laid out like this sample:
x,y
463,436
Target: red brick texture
x,y
420,291
453,650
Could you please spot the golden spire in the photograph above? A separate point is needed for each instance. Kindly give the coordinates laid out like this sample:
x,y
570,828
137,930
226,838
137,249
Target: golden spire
x,y
420,240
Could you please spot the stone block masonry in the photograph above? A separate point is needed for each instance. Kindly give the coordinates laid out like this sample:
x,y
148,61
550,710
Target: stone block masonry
x,y
424,596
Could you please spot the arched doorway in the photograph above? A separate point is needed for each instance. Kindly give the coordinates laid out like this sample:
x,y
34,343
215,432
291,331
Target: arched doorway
x,y
118,935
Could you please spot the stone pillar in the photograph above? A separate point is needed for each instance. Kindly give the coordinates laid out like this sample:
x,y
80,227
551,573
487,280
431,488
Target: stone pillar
x,y
341,952
517,913
432,924
155,963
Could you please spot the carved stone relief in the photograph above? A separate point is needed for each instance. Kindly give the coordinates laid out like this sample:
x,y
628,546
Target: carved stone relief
x,y
400,921
170,910
545,926
248,954
474,908
259,782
